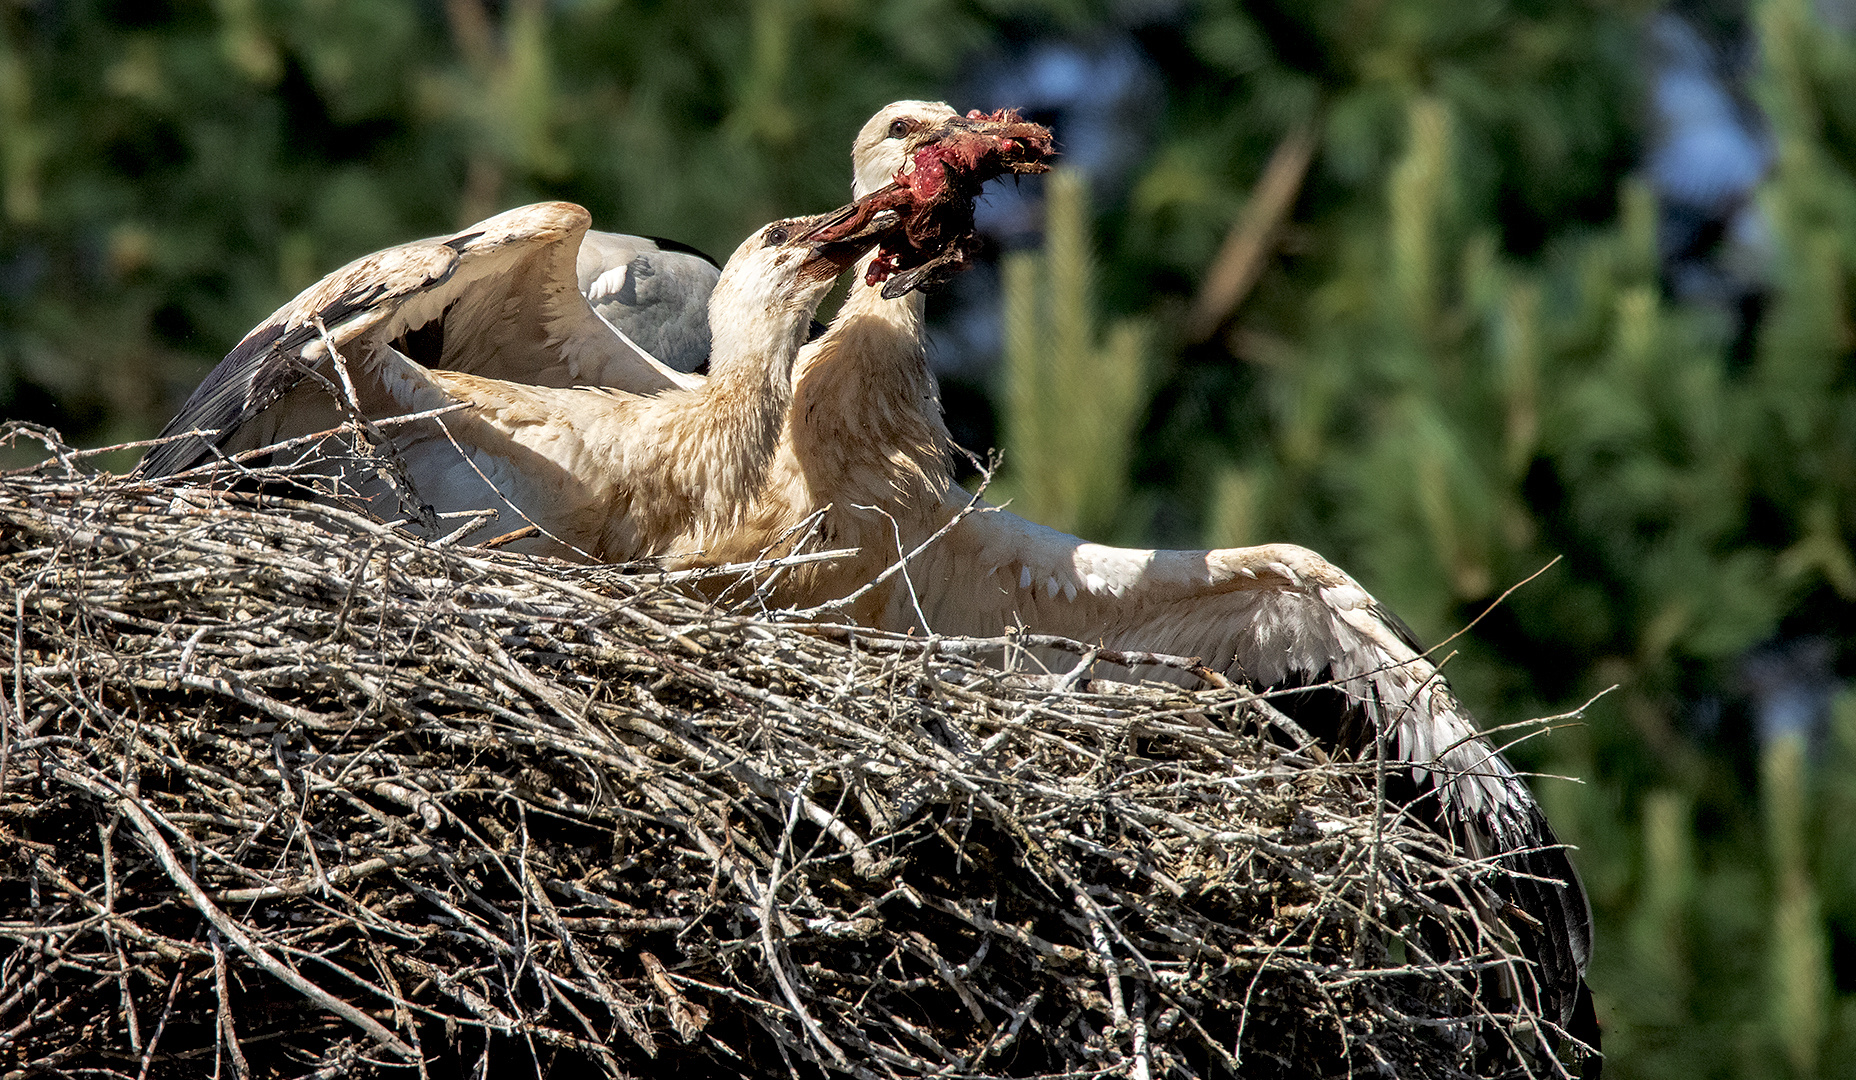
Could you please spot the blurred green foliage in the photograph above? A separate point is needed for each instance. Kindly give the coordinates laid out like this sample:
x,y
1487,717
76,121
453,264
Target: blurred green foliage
x,y
1070,401
1456,363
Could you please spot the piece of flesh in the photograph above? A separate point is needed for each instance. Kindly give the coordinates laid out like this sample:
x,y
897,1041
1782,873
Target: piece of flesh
x,y
935,197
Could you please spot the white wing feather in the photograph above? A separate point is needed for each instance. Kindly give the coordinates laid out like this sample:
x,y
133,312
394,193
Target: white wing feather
x,y
1275,616
500,299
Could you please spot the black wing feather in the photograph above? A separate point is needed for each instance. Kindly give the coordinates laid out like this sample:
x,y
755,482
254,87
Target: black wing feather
x,y
264,367
679,246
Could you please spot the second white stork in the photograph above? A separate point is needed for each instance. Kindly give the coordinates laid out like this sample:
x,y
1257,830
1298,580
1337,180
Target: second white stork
x,y
867,449
653,291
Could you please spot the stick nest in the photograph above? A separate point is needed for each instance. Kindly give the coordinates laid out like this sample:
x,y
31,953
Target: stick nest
x,y
289,792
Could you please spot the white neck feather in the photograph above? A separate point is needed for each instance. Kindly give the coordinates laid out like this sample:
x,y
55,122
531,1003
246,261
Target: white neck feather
x,y
727,430
867,410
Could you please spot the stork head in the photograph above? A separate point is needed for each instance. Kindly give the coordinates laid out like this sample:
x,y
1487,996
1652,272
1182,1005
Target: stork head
x,y
928,162
775,279
889,140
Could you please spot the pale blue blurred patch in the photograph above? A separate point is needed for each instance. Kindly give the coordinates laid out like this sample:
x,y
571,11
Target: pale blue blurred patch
x,y
1706,152
1102,98
1791,685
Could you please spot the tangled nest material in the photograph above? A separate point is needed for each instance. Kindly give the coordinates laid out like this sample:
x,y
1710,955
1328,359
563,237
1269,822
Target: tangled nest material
x,y
288,792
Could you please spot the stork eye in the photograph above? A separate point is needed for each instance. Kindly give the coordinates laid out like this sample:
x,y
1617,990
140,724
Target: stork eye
x,y
899,128
777,235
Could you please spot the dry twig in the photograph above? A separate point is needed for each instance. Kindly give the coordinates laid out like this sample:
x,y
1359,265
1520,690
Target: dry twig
x,y
389,805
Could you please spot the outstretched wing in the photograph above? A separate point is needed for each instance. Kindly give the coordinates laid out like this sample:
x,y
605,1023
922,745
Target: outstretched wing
x,y
1280,617
500,300
653,291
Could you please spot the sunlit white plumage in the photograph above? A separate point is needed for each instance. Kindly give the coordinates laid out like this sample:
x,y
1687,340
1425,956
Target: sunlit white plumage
x,y
651,461
530,296
611,475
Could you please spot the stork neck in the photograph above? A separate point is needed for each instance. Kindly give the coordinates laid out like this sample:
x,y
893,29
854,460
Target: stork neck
x,y
866,411
755,335
903,317
725,431
753,345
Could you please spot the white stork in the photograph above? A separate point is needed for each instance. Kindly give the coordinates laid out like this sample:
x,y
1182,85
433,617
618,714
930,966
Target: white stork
x,y
571,426
866,446
655,465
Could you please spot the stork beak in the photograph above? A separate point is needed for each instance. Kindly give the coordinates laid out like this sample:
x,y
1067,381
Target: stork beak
x,y
953,258
846,234
865,219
